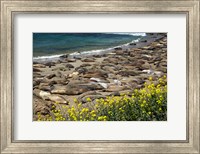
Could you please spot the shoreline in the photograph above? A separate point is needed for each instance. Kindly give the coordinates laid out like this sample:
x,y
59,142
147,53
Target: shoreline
x,y
141,42
98,76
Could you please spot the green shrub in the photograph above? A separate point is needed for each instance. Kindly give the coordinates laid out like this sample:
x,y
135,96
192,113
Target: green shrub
x,y
146,104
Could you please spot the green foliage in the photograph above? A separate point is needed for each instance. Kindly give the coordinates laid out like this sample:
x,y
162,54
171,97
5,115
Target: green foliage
x,y
146,104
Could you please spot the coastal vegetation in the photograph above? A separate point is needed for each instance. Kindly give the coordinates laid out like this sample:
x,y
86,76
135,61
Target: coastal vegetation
x,y
145,104
127,83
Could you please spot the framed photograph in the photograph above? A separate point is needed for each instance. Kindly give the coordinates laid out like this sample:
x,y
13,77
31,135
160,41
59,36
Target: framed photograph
x,y
99,76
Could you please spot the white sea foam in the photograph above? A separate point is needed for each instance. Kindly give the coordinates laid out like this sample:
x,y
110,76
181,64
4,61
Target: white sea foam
x,y
95,52
47,57
91,52
126,33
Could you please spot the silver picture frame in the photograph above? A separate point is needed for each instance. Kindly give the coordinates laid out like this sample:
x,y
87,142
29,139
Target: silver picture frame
x,y
11,7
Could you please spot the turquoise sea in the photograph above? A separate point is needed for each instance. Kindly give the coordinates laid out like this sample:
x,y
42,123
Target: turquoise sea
x,y
55,44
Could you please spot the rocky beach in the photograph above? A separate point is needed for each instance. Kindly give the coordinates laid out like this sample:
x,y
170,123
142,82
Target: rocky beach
x,y
94,76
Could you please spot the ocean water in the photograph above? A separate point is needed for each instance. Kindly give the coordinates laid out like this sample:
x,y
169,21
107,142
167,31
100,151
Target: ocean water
x,y
55,44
